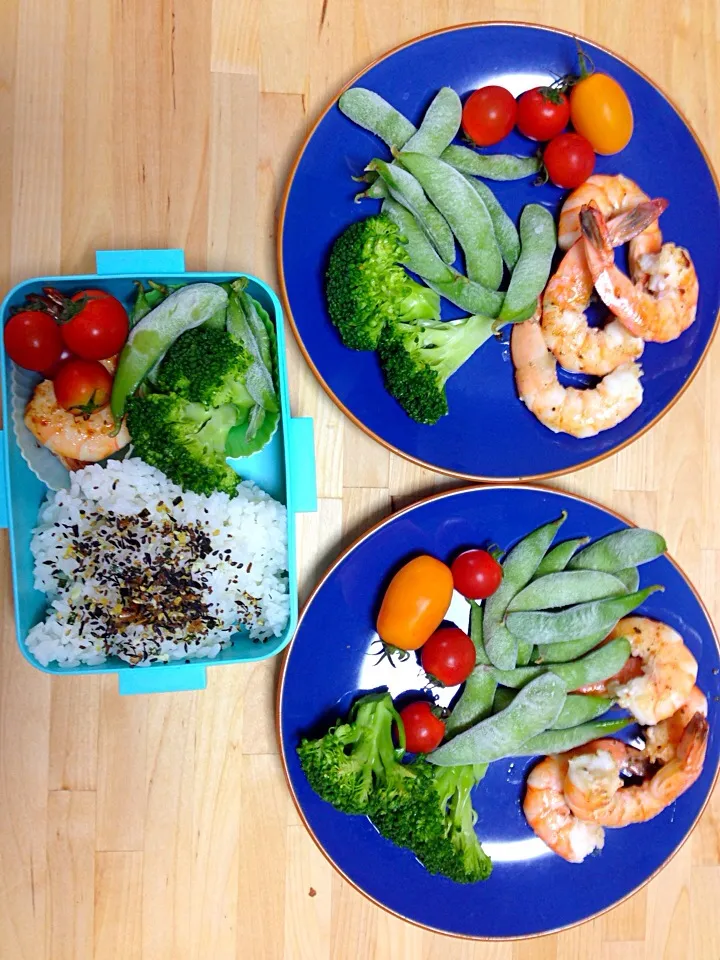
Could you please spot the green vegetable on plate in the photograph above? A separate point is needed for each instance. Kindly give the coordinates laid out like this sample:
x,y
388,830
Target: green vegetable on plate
x,y
367,286
560,741
490,166
406,190
566,652
537,246
617,551
465,212
560,556
594,667
578,708
518,569
370,111
566,588
505,230
575,623
418,358
535,708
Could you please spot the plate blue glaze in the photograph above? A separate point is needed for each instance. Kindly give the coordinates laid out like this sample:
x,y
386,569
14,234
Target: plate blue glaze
x,y
531,890
488,433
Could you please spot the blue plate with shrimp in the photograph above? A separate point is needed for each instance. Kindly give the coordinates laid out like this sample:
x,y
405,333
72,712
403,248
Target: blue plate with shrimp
x,y
333,660
489,434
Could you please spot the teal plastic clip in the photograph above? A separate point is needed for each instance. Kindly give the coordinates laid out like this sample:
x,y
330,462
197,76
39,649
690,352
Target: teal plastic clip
x,y
145,262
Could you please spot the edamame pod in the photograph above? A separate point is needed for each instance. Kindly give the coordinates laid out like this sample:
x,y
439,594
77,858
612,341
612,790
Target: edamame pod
x,y
151,338
405,189
578,708
537,246
490,166
577,622
617,551
476,700
630,577
439,126
594,667
425,261
560,741
560,556
533,710
463,209
506,233
518,568
566,588
565,652
371,112
423,258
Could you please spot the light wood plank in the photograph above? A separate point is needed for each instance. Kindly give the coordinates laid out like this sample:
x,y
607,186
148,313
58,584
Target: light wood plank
x,y
71,872
118,905
74,720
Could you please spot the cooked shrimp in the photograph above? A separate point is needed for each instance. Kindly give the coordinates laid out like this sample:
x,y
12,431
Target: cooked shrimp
x,y
611,195
661,740
660,301
595,792
574,343
581,413
69,437
550,817
669,670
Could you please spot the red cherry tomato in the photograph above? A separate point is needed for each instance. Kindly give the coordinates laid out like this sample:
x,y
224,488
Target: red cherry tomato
x,y
476,574
32,339
489,115
99,328
82,386
569,160
423,730
448,656
542,113
51,372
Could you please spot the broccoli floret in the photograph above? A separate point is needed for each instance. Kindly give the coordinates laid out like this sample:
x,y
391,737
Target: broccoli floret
x,y
418,358
185,440
344,766
207,365
458,854
367,286
357,768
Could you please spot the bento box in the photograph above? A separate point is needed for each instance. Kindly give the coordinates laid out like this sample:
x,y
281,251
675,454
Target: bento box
x,y
284,468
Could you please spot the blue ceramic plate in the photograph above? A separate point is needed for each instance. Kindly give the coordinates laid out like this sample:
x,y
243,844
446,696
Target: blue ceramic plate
x,y
531,890
488,434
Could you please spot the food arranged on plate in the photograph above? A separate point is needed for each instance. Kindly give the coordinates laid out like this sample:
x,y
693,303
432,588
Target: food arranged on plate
x,y
167,552
435,203
554,644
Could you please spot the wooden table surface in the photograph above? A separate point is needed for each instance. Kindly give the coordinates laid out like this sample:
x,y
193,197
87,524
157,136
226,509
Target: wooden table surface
x,y
160,827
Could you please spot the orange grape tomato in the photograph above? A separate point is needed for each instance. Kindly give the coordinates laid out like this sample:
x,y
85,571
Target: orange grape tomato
x,y
415,603
601,112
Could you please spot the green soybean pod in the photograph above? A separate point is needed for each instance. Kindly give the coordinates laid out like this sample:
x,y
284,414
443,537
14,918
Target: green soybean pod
x,y
506,233
577,622
565,652
423,258
469,295
560,741
518,568
578,708
405,189
594,667
560,556
476,700
566,588
490,166
533,710
376,191
620,550
371,112
439,126
467,215
537,246
630,577
524,653
425,261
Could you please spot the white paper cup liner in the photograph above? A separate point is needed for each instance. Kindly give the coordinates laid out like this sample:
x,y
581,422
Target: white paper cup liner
x,y
44,464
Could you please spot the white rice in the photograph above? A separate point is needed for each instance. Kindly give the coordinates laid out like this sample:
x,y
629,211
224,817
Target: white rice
x,y
230,554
